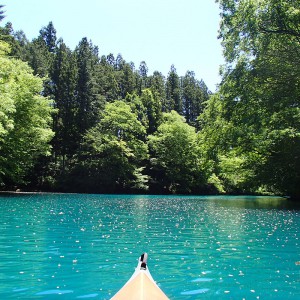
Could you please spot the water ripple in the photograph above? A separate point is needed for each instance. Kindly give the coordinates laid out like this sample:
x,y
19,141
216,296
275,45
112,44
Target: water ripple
x,y
76,244
195,292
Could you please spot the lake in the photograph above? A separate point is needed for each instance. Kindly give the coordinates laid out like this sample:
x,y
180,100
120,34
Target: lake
x,y
74,246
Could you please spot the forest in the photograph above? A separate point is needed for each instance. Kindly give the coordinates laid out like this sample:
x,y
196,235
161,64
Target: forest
x,y
75,120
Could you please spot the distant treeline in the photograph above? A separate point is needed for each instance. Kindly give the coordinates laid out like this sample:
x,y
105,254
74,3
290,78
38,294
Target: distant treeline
x,y
78,121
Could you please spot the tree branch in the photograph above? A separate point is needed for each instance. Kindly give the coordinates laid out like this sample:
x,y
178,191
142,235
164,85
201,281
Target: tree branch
x,y
280,31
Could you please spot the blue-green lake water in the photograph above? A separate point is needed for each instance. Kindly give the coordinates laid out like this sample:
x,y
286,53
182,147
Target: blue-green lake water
x,y
86,246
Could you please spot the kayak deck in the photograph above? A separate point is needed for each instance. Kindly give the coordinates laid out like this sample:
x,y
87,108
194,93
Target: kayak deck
x,y
141,285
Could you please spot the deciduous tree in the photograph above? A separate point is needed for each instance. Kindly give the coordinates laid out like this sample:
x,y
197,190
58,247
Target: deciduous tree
x,y
175,160
113,154
25,118
260,89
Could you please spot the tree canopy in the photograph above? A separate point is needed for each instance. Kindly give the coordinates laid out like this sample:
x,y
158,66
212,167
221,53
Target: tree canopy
x,y
25,118
112,127
258,101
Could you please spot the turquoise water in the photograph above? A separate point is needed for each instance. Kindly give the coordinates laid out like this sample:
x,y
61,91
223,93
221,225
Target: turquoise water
x,y
86,246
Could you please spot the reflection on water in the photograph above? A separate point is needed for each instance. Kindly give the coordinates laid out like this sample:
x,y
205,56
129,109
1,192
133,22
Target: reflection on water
x,y
86,246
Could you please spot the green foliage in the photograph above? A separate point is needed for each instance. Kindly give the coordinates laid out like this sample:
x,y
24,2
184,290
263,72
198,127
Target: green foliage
x,y
254,139
194,94
127,81
157,87
148,109
89,102
173,93
17,41
1,13
4,48
48,34
119,129
113,154
63,89
107,81
25,116
175,158
40,59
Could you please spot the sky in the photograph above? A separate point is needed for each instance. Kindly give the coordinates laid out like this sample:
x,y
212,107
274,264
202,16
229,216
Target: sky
x,y
159,32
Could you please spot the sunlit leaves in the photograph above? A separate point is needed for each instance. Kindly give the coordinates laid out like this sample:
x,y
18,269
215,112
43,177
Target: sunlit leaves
x,y
25,118
113,150
175,157
259,96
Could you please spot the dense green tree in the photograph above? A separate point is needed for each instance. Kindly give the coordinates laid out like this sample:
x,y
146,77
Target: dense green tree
x,y
148,109
119,63
17,41
94,130
141,78
173,91
175,159
89,101
2,16
113,154
40,59
127,80
7,32
107,82
194,94
48,34
189,95
230,167
143,70
20,47
152,106
157,86
111,59
25,118
64,79
260,91
41,54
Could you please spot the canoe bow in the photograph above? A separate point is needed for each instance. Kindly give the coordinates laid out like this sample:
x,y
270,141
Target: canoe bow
x,y
141,285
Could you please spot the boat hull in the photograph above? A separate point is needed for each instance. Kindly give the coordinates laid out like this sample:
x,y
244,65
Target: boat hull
x,y
140,286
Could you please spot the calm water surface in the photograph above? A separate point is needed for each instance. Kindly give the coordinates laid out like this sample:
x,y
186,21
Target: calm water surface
x,y
86,246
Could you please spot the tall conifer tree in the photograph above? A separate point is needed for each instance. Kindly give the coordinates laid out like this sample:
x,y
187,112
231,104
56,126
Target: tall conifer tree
x,y
194,94
174,101
48,34
64,78
88,105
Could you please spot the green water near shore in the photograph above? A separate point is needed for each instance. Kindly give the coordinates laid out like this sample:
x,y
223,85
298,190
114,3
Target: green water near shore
x,y
86,246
